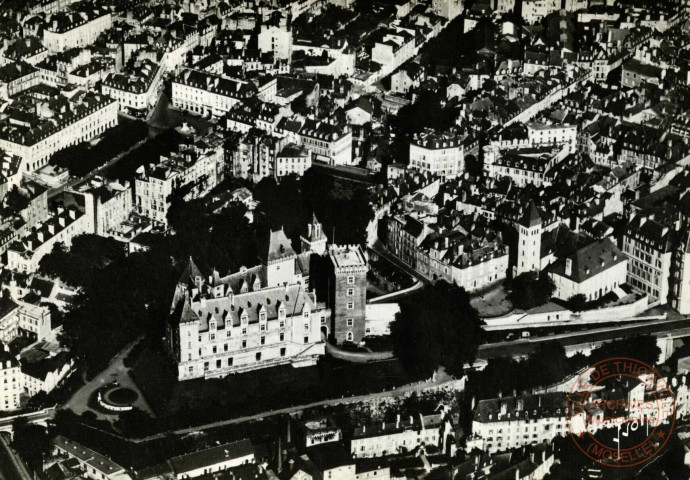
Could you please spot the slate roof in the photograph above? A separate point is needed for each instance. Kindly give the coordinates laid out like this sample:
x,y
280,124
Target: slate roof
x,y
531,217
211,456
589,261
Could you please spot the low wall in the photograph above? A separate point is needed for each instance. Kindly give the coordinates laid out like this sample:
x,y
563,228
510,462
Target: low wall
x,y
553,315
110,407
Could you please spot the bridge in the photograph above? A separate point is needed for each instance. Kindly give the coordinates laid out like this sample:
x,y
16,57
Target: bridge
x,y
40,417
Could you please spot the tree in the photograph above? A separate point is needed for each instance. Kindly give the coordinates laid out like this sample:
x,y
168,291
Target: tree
x,y
531,289
31,443
577,302
438,327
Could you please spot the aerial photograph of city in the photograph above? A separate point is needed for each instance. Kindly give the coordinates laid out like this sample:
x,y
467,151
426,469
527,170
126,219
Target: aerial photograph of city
x,y
344,239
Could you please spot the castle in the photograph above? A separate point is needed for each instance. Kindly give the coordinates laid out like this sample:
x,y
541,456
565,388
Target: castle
x,y
268,315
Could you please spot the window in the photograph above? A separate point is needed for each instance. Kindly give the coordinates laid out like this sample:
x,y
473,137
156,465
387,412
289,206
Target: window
x,y
350,322
282,337
351,280
230,362
229,334
258,356
191,369
263,340
282,352
218,364
306,339
213,336
350,292
244,331
350,305
244,344
306,326
349,336
205,366
263,328
282,324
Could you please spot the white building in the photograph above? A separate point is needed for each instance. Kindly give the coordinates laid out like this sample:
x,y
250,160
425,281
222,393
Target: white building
x,y
93,465
73,29
592,271
106,204
534,10
209,94
649,247
255,318
197,167
46,374
84,116
210,460
529,241
136,88
437,153
545,134
25,255
327,142
275,36
12,378
393,49
402,436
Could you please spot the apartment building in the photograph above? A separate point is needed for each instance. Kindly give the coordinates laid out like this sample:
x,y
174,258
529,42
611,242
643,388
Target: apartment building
x,y
275,36
36,137
94,465
211,460
500,424
71,29
106,204
255,318
395,47
440,154
327,142
402,436
525,165
534,10
44,375
648,245
25,254
680,275
135,89
545,134
209,94
17,77
195,169
12,378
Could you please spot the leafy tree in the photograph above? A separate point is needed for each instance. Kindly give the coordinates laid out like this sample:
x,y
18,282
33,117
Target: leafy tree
x,y
531,290
31,443
577,303
438,328
640,347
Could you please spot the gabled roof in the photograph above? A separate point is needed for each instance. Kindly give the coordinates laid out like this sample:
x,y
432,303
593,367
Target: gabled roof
x,y
279,247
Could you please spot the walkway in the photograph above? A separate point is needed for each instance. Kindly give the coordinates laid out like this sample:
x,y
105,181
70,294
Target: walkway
x,y
354,357
116,371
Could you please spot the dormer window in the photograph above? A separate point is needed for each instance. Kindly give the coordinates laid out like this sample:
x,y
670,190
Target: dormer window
x,y
281,313
244,319
212,325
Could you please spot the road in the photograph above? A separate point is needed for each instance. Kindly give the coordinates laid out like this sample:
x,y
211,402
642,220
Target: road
x,y
11,466
525,346
442,380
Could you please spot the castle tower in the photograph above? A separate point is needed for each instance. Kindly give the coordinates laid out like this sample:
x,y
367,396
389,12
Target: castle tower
x,y
348,296
315,240
279,260
529,241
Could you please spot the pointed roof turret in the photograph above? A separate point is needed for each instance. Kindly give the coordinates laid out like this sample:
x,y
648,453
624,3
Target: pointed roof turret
x,y
190,273
531,217
279,247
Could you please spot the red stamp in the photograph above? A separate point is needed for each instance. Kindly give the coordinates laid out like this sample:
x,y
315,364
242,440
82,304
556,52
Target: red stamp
x,y
620,412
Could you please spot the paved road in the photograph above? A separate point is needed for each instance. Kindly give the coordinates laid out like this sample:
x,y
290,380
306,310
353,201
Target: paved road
x,y
595,336
11,466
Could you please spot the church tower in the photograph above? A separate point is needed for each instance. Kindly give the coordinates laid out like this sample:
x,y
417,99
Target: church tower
x,y
529,241
315,240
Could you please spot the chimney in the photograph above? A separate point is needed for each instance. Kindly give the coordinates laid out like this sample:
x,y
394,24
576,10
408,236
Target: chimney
x,y
568,267
397,421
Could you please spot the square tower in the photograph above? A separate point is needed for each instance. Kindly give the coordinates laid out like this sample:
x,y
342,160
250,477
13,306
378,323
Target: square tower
x,y
348,293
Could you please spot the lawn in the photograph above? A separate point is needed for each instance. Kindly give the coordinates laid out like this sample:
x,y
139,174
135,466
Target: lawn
x,y
195,402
